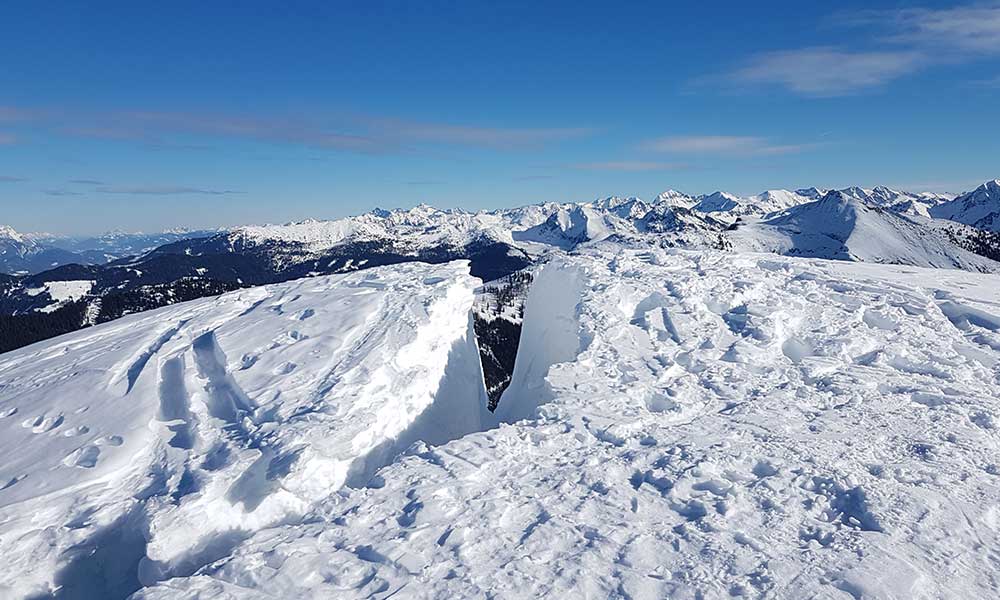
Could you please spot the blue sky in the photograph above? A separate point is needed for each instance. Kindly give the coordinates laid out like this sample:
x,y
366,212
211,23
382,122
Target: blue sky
x,y
124,116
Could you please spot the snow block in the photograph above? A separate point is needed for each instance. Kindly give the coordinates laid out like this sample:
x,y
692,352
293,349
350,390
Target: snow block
x,y
550,335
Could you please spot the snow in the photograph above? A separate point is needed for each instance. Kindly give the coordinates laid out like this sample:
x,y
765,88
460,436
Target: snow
x,y
840,226
8,233
147,447
679,423
979,208
64,291
717,202
61,292
689,425
568,227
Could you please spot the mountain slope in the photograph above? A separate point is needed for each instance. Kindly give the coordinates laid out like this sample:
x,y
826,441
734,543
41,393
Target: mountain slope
x,y
979,208
841,226
145,448
705,425
22,254
35,253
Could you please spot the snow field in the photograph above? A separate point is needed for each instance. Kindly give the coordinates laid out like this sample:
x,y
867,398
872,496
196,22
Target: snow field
x,y
706,425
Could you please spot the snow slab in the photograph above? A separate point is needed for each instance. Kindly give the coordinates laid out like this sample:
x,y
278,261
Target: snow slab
x,y
720,425
147,447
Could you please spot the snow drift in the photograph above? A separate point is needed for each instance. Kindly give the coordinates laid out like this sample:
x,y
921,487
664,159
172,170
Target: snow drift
x,y
146,448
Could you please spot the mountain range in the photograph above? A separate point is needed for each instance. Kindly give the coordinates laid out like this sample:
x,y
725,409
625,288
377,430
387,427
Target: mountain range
x,y
35,252
129,273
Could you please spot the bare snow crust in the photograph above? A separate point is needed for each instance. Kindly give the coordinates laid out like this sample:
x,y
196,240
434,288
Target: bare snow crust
x,y
145,448
705,425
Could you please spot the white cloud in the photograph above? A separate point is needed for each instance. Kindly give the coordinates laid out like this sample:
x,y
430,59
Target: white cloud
x,y
357,133
827,71
630,165
969,29
993,82
722,144
163,190
905,41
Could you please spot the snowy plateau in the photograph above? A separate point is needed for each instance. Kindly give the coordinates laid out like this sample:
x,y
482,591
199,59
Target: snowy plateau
x,y
791,396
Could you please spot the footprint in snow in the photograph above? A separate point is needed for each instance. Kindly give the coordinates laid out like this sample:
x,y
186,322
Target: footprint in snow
x,y
75,431
84,458
285,369
42,424
111,440
12,482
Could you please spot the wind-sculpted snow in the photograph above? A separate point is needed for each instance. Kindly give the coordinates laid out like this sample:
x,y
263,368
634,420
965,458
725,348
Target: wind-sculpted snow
x,y
708,425
148,447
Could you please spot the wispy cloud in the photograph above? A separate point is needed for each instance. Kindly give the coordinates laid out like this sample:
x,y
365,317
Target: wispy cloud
x,y
163,190
424,182
896,43
722,145
61,193
7,138
967,29
353,133
990,82
487,137
827,71
631,165
86,182
11,179
533,177
13,113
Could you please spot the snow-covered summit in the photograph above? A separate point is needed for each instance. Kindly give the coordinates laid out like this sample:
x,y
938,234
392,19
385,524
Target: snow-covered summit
x,y
717,202
814,193
844,227
910,203
979,208
9,234
674,198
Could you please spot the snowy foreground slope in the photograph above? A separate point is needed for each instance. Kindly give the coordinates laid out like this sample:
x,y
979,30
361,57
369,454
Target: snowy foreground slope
x,y
707,425
145,448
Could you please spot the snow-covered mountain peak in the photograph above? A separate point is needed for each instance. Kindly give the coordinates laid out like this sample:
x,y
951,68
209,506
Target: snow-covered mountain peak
x,y
717,202
674,198
8,233
842,226
671,193
979,208
629,207
771,201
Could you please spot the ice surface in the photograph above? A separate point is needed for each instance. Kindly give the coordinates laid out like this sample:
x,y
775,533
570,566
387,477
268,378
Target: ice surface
x,y
705,425
148,447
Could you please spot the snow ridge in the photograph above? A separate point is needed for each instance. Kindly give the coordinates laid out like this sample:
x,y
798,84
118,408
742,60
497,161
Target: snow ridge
x,y
190,427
